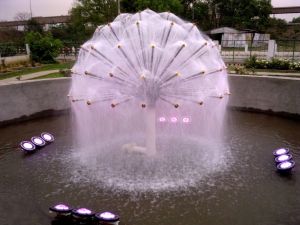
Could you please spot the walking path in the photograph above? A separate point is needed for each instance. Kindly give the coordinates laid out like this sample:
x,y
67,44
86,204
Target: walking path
x,y
27,76
43,73
274,74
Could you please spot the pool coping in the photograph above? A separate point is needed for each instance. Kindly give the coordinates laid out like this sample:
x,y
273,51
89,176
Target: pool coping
x,y
278,96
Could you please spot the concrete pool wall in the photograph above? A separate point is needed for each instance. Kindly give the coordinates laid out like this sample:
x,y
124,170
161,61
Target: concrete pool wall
x,y
276,95
23,100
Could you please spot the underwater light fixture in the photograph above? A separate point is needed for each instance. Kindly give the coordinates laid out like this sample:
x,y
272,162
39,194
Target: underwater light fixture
x,y
162,119
280,151
27,146
186,120
82,214
61,209
38,141
174,119
107,218
47,137
283,158
286,166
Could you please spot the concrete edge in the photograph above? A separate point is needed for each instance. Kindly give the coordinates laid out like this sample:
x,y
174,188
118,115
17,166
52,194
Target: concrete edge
x,y
292,116
42,114
3,83
56,112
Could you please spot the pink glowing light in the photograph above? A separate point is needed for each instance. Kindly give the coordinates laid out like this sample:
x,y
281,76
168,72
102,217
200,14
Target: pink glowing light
x,y
162,119
174,119
61,207
186,120
84,211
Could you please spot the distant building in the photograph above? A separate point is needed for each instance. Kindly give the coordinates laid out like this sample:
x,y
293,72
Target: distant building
x,y
230,37
46,22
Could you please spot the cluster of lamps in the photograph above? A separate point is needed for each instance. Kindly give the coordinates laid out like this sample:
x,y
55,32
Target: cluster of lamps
x,y
37,142
65,213
283,160
174,119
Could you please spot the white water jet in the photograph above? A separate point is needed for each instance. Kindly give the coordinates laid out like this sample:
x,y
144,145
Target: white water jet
x,y
138,69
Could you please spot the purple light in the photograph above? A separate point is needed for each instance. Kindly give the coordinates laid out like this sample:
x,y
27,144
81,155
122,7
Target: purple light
x,y
186,120
282,158
286,166
82,214
162,119
47,137
84,211
280,151
174,119
27,146
61,207
38,141
107,217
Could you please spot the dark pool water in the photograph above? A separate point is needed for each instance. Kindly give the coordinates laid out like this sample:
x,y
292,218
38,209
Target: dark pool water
x,y
248,192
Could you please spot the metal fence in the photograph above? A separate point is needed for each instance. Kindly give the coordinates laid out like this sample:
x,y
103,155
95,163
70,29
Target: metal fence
x,y
237,51
12,49
232,51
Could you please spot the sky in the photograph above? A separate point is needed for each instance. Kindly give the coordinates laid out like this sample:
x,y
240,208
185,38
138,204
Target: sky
x,y
9,8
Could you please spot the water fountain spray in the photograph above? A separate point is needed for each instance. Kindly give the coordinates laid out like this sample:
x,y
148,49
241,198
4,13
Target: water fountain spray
x,y
148,58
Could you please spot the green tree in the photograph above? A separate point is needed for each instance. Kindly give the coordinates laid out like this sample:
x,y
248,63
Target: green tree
x,y
173,6
277,28
128,6
34,26
241,14
86,15
44,48
296,19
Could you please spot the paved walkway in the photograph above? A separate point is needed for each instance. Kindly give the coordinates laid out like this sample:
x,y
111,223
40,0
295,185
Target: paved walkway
x,y
275,74
43,73
28,76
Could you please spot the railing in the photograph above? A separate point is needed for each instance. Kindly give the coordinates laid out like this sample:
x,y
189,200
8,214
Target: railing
x,y
12,49
232,51
237,51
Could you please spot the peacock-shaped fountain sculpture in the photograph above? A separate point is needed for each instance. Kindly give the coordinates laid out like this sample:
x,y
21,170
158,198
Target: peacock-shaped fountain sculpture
x,y
146,60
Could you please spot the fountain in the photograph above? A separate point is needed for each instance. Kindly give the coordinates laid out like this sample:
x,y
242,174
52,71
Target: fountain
x,y
150,84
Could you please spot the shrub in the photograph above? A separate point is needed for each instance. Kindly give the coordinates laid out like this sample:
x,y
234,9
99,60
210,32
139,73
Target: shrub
x,y
274,63
44,48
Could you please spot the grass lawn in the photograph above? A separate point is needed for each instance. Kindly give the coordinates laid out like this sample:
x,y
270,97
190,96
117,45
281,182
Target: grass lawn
x,y
25,71
50,75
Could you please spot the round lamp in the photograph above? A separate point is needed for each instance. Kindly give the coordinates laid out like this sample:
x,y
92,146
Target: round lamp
x,y
47,137
107,218
27,146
